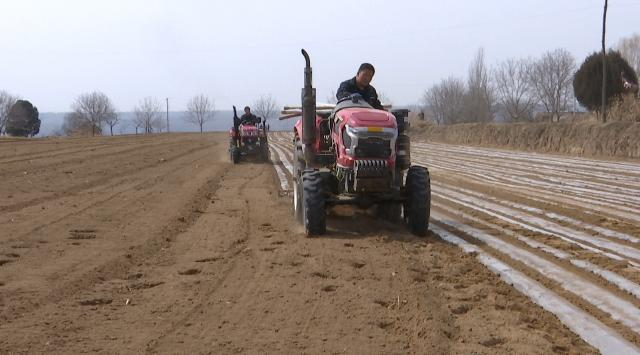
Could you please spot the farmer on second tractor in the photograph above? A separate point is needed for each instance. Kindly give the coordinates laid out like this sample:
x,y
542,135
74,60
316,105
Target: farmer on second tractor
x,y
360,84
249,117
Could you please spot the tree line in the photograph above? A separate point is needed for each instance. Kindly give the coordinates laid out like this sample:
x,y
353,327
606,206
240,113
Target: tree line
x,y
94,113
517,88
514,90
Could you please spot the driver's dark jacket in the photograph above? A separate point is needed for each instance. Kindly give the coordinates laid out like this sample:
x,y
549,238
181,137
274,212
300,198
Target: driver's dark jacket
x,y
249,118
369,93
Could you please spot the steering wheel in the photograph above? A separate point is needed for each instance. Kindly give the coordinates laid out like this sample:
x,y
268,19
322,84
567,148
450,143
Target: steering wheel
x,y
353,97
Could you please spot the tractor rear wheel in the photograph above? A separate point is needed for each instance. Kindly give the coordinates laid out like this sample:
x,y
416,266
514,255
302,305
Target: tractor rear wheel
x,y
314,215
417,206
264,150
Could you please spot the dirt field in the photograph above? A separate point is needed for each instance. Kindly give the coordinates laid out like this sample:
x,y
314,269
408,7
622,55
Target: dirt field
x,y
157,244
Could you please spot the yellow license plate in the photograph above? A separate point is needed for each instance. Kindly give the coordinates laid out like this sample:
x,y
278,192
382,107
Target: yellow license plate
x,y
374,129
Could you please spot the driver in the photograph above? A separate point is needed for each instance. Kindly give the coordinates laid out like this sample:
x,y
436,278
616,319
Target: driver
x,y
360,84
248,117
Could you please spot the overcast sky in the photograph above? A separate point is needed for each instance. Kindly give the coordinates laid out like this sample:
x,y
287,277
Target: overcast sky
x,y
236,50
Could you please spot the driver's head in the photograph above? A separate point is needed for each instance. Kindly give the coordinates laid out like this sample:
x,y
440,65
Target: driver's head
x,y
247,110
365,74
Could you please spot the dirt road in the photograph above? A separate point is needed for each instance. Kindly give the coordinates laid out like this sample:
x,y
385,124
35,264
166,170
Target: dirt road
x,y
157,244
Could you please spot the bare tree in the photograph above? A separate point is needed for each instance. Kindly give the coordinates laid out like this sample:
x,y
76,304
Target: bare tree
x,y
74,123
480,97
453,94
552,77
432,103
112,121
95,108
6,102
200,110
265,107
149,115
514,90
629,48
136,124
445,101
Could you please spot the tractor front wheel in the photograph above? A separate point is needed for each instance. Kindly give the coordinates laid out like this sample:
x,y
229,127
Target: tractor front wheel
x,y
234,152
313,203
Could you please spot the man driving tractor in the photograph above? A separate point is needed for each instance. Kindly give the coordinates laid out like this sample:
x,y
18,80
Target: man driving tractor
x,y
360,84
249,117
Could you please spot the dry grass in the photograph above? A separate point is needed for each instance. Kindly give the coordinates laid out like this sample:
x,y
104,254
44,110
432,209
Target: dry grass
x,y
588,137
625,110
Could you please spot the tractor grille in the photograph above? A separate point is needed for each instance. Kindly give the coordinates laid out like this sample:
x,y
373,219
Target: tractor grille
x,y
369,168
373,147
371,175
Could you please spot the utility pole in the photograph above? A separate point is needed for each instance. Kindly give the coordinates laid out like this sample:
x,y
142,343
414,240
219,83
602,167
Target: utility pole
x,y
604,65
167,115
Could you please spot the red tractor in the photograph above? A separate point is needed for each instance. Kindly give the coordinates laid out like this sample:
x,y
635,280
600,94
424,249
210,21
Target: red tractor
x,y
248,137
355,155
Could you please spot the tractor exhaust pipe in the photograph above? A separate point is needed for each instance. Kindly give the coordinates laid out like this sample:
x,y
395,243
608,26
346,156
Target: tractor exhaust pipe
x,y
236,119
308,107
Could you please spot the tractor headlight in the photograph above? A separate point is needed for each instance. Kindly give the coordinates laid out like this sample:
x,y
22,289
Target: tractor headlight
x,y
350,139
346,138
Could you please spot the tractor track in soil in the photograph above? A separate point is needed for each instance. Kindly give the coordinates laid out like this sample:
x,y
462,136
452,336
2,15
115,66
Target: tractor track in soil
x,y
541,216
95,183
171,249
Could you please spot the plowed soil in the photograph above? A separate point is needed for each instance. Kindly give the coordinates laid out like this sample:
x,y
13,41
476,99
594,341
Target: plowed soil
x,y
158,244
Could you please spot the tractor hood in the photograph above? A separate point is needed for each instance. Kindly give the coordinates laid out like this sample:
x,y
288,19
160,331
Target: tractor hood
x,y
365,117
